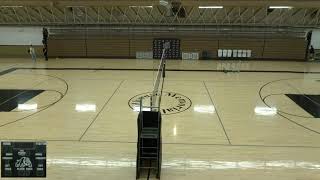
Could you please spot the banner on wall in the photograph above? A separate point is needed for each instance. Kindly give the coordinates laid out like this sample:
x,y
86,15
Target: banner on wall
x,y
21,35
315,39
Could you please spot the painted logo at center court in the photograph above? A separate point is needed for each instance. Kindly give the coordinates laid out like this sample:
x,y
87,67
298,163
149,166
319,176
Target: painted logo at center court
x,y
171,102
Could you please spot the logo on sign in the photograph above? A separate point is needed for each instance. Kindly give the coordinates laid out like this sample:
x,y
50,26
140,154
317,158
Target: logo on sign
x,y
171,102
23,162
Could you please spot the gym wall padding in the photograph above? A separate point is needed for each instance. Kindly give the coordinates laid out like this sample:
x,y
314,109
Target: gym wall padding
x,y
199,45
140,45
67,48
285,48
108,48
18,51
126,47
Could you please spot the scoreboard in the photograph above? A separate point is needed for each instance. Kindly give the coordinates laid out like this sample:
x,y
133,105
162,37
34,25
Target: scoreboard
x,y
23,159
173,51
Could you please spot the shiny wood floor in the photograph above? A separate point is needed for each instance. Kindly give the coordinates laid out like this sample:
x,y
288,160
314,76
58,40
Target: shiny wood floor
x,y
234,125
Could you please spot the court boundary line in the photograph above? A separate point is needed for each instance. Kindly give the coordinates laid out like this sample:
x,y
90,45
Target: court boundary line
x,y
231,145
141,69
103,107
281,113
284,112
7,71
167,143
221,123
30,115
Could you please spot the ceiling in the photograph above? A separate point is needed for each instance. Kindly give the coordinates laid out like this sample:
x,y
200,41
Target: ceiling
x,y
248,13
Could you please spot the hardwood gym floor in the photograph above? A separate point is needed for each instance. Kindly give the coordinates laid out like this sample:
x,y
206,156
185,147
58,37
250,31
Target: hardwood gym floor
x,y
232,125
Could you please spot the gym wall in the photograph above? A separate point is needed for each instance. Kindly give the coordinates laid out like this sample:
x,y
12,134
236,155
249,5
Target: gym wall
x,y
126,47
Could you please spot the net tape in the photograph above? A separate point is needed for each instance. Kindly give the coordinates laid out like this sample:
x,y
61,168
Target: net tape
x,y
155,102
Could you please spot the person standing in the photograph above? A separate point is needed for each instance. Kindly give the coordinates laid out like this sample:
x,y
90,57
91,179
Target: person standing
x,y
32,53
45,42
45,52
312,52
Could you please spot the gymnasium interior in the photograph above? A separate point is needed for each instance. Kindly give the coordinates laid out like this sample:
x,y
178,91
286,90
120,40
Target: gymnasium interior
x,y
160,89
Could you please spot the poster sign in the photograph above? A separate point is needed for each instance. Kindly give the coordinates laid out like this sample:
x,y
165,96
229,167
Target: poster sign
x,y
23,159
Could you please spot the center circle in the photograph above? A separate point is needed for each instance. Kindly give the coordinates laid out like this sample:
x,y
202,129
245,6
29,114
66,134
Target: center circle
x,y
171,102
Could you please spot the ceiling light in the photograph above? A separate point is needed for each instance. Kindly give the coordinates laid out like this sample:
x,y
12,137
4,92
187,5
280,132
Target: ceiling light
x,y
210,7
11,6
86,107
27,107
175,130
204,109
164,2
141,6
280,7
265,111
75,6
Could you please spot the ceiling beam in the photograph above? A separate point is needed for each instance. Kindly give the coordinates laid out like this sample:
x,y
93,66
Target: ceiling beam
x,y
8,17
246,3
50,15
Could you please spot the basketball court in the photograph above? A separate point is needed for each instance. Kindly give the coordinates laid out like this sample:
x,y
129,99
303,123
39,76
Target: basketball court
x,y
231,125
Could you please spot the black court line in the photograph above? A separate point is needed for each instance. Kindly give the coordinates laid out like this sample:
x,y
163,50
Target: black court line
x,y
9,94
7,71
105,104
16,97
282,113
50,105
298,124
13,69
243,145
187,144
187,70
309,103
224,130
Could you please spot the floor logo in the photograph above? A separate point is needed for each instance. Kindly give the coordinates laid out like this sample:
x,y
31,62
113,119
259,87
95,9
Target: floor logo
x,y
171,102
